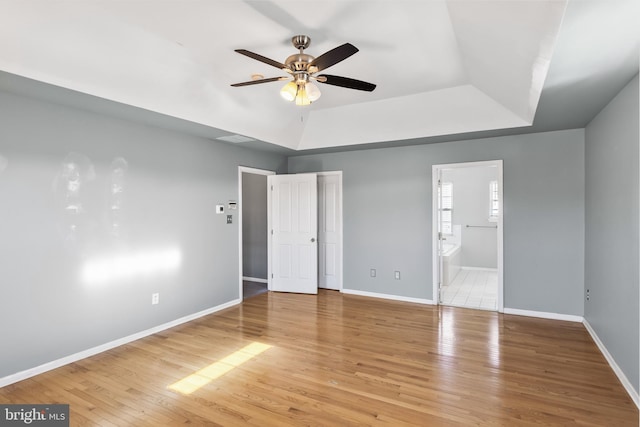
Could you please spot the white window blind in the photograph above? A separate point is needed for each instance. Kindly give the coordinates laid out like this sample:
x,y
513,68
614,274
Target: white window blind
x,y
494,201
446,207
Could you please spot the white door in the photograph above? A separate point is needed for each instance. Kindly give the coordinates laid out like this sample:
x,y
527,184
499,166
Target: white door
x,y
330,231
439,239
294,225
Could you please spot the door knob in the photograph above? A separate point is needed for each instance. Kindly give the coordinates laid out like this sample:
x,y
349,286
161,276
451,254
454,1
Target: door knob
x,y
313,239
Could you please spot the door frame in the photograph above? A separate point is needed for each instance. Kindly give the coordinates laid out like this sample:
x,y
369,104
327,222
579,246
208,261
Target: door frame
x,y
435,173
241,170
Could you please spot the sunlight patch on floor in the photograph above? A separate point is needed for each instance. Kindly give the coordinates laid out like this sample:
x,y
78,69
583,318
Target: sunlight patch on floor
x,y
204,376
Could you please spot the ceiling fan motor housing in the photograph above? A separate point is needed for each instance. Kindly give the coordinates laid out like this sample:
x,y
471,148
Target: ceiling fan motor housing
x,y
298,62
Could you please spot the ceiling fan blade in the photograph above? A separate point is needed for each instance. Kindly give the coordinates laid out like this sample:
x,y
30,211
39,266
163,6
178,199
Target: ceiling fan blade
x,y
261,58
258,81
345,82
333,56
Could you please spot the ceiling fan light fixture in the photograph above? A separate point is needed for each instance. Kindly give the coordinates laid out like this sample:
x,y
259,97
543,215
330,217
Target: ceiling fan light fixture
x,y
301,97
289,91
312,92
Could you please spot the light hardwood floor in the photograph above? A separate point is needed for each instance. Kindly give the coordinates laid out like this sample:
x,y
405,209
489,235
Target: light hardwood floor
x,y
339,360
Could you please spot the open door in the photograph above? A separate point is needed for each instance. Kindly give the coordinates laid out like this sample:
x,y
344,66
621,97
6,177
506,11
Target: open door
x,y
330,230
294,227
440,238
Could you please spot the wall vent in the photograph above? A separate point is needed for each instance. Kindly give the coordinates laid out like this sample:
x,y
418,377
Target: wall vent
x,y
236,139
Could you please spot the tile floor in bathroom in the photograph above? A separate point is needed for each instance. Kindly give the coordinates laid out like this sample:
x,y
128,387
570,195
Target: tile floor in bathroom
x,y
473,289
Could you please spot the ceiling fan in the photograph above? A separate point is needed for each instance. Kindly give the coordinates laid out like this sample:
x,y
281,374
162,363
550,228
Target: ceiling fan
x,y
302,69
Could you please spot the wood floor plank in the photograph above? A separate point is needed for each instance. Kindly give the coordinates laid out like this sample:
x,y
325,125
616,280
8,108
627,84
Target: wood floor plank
x,y
342,360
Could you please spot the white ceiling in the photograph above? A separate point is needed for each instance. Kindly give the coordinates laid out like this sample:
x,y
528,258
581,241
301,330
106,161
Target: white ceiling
x,y
441,67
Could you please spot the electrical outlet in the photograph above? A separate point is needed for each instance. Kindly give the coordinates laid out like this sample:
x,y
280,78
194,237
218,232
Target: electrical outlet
x,y
372,272
588,296
229,219
155,298
397,275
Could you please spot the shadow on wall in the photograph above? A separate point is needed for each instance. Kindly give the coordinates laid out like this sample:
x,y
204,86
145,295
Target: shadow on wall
x,y
89,215
69,188
118,173
78,217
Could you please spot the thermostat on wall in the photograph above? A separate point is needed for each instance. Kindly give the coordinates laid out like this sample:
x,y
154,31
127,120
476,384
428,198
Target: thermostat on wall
x,y
233,204
219,209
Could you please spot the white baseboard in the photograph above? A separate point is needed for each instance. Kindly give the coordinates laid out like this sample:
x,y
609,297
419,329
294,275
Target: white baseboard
x,y
387,296
23,375
621,376
254,279
543,315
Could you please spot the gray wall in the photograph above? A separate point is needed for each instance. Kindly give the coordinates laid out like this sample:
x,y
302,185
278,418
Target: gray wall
x,y
611,251
167,185
254,225
471,207
387,215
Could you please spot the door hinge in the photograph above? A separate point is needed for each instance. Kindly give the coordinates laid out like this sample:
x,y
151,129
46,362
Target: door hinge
x,y
272,188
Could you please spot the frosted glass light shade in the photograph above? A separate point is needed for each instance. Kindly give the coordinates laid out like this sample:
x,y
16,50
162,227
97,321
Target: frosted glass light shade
x,y
302,98
312,92
289,91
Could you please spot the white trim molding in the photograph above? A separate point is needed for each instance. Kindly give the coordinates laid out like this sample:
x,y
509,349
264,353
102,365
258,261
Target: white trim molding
x,y
633,393
28,373
387,296
544,315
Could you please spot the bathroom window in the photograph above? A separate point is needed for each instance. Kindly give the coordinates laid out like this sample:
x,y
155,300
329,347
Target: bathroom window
x,y
446,208
494,201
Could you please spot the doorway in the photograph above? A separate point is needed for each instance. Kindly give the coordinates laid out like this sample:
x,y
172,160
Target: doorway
x,y
329,231
468,235
252,224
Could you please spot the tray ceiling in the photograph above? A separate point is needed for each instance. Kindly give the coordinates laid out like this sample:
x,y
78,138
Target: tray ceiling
x,y
441,67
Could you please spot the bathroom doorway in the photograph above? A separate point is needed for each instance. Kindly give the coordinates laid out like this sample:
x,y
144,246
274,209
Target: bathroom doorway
x,y
468,237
